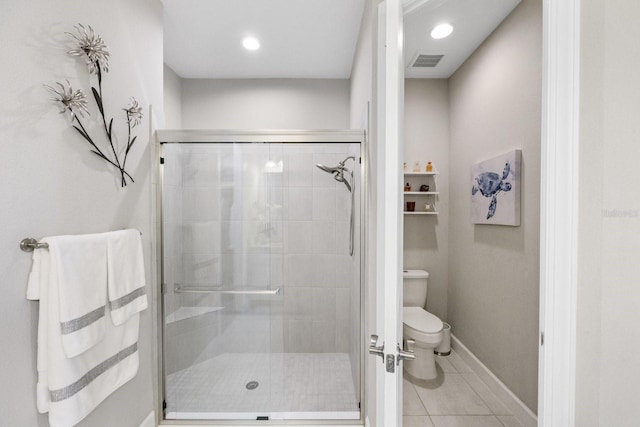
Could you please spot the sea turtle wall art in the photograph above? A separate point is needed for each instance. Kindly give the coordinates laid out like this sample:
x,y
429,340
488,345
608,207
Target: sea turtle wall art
x,y
495,190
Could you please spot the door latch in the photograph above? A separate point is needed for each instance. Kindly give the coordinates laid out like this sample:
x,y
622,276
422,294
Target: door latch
x,y
391,365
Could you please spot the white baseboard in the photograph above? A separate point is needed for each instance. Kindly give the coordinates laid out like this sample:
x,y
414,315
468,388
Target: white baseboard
x,y
519,410
150,421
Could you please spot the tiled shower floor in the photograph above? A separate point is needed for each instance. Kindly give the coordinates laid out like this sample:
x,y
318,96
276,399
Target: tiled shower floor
x,y
288,383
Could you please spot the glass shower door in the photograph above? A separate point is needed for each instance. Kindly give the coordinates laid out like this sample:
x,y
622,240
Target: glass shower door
x,y
223,269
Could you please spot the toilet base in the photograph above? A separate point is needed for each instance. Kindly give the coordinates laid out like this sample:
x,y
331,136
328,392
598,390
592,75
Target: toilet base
x,y
423,367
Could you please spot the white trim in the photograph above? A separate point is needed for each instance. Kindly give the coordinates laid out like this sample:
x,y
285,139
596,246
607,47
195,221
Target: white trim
x,y
273,416
150,420
519,410
559,212
390,103
410,6
265,135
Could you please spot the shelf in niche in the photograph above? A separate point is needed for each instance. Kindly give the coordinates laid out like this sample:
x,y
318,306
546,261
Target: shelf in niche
x,y
188,312
420,213
421,173
421,193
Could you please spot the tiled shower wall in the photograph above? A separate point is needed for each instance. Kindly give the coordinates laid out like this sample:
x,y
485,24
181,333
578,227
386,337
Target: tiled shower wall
x,y
261,216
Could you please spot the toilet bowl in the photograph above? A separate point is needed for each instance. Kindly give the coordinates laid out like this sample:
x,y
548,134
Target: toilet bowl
x,y
419,325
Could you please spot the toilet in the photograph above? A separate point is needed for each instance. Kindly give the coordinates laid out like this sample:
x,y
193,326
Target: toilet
x,y
419,325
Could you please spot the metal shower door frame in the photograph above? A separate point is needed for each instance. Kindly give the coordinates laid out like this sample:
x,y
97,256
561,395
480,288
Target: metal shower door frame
x,y
251,136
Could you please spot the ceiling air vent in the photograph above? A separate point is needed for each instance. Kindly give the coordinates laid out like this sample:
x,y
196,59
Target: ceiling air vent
x,y
425,61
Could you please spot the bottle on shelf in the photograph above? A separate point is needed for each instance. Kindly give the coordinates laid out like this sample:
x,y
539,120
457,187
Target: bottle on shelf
x,y
429,167
416,167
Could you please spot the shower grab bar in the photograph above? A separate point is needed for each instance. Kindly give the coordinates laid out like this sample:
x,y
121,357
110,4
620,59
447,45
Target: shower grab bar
x,y
177,289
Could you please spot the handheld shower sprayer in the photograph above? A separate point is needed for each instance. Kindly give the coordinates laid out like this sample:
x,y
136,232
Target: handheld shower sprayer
x,y
338,171
338,174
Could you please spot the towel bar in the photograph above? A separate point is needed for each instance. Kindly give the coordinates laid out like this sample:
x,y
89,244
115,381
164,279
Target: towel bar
x,y
29,244
177,289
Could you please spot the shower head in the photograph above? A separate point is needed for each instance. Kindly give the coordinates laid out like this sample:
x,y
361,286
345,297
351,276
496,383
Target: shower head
x,y
328,169
340,178
338,171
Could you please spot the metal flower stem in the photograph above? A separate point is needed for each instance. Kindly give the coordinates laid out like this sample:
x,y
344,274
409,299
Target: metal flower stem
x,y
82,131
129,141
108,129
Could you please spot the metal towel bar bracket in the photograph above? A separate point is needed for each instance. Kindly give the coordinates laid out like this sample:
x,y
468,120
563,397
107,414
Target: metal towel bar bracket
x,y
177,289
30,244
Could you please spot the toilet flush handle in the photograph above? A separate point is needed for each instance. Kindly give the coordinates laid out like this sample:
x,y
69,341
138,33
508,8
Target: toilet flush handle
x,y
407,354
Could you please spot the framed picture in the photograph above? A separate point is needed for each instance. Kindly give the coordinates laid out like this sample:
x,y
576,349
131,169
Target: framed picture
x,y
495,190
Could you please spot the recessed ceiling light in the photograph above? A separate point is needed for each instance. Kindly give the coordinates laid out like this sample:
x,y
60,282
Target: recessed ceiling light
x,y
441,31
251,43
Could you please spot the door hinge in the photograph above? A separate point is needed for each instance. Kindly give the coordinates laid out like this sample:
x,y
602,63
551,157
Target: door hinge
x,y
541,338
162,160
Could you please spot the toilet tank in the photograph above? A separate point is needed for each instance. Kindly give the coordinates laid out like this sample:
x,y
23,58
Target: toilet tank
x,y
415,288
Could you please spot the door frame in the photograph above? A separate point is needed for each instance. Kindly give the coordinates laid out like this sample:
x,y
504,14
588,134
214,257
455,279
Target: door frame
x,y
389,217
559,212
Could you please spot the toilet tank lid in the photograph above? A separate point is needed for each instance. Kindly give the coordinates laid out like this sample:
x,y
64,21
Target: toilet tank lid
x,y
415,274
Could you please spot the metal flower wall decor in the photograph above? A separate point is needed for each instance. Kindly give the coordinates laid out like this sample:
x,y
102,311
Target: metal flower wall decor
x,y
73,102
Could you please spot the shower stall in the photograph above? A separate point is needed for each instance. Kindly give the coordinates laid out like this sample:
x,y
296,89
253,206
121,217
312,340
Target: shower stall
x,y
261,274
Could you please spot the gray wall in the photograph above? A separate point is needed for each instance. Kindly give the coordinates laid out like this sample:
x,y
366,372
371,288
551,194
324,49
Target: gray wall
x,y
265,104
51,184
426,134
493,292
172,85
608,331
362,93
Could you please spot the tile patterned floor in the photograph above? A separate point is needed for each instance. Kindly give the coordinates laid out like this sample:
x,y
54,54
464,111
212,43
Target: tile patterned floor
x,y
456,398
288,382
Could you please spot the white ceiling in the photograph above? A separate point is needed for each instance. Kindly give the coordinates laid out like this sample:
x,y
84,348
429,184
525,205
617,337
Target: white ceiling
x,y
299,38
312,38
473,22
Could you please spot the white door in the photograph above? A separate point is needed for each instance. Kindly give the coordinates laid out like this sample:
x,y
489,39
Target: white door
x,y
388,183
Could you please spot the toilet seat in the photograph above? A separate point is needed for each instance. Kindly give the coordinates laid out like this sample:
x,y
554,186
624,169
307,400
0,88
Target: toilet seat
x,y
421,326
421,320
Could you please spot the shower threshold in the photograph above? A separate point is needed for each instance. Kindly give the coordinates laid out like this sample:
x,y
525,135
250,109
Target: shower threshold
x,y
324,415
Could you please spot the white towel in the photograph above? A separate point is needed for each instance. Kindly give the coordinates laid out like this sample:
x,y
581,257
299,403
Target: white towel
x,y
81,265
70,388
33,284
125,275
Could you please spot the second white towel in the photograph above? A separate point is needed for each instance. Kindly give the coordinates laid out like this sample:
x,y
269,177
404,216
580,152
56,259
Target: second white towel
x,y
126,281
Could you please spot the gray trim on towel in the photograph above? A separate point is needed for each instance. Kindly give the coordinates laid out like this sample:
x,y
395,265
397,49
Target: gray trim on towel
x,y
122,301
73,325
68,391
